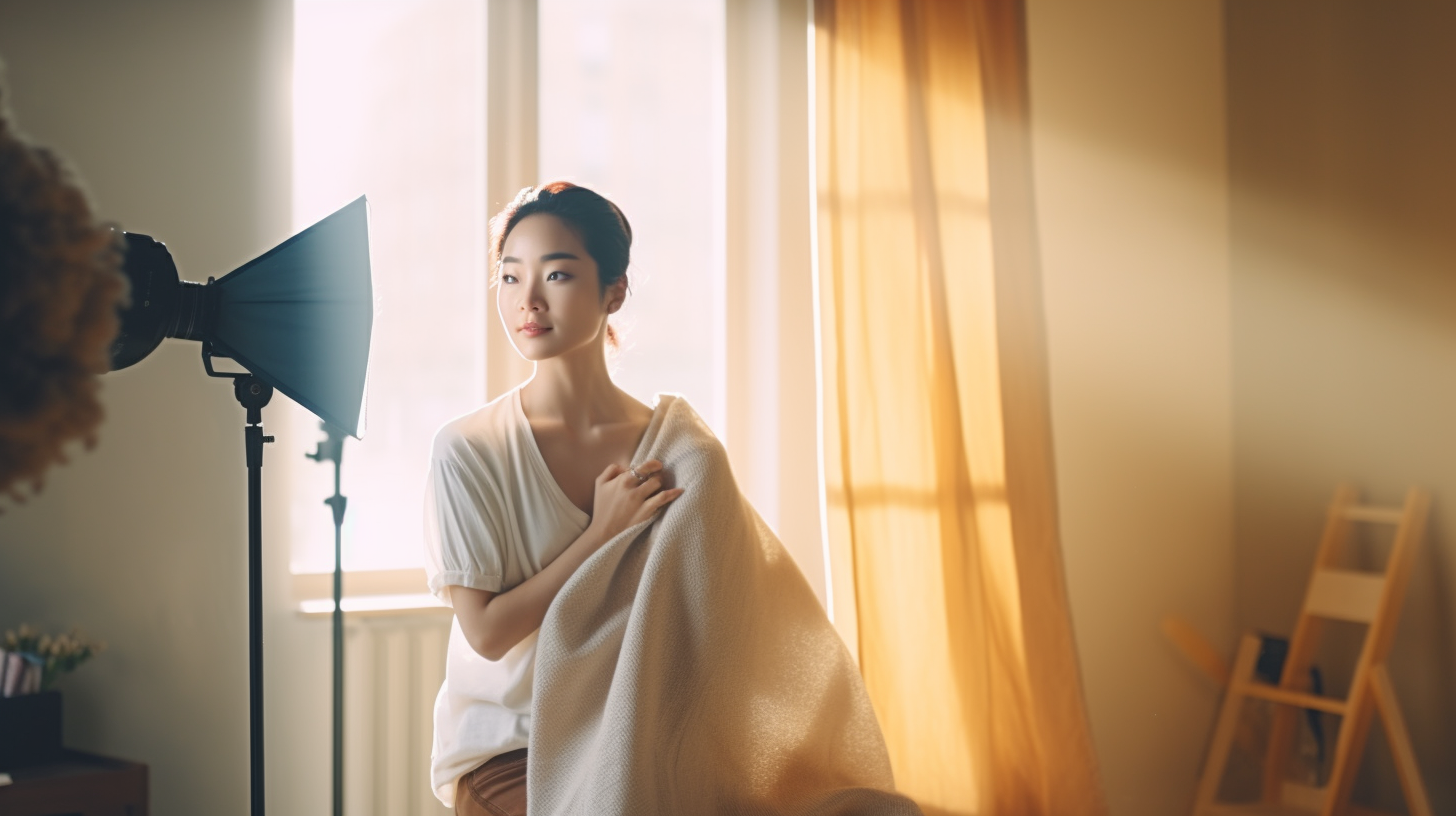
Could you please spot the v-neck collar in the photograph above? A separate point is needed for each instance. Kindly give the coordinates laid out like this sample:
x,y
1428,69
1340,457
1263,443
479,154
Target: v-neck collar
x,y
659,409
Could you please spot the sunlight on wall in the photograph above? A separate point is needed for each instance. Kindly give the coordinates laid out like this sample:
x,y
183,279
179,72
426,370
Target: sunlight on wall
x,y
1132,205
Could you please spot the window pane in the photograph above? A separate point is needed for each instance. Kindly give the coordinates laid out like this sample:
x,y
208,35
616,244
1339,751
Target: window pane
x,y
631,104
389,102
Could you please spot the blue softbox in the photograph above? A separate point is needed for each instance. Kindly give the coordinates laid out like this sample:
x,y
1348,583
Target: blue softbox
x,y
298,317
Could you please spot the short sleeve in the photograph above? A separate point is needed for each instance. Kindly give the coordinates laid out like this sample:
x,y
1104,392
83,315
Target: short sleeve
x,y
463,538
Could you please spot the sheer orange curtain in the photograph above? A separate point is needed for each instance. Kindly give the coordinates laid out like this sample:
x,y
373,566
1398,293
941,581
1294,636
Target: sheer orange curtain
x,y
938,464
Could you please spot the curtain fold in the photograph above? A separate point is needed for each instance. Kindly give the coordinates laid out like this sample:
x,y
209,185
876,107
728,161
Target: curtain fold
x,y
947,572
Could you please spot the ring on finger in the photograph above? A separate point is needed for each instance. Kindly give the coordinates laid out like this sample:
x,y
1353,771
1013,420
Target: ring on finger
x,y
640,478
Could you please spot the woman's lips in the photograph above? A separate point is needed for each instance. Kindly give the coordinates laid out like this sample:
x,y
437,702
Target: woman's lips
x,y
534,330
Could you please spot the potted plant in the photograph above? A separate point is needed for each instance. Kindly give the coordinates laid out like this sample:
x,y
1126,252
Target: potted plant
x,y
30,707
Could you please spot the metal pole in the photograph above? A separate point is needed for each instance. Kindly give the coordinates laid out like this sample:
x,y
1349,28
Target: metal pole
x,y
253,394
337,502
332,449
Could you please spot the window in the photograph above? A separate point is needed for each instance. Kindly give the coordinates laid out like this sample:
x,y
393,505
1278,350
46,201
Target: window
x,y
389,102
632,100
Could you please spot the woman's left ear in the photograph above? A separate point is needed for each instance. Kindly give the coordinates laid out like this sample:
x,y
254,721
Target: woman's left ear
x,y
616,295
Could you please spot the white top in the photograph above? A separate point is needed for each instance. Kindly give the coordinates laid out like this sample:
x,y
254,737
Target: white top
x,y
494,516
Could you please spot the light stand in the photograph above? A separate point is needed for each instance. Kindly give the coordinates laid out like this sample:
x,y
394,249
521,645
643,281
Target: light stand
x,y
331,449
252,393
298,319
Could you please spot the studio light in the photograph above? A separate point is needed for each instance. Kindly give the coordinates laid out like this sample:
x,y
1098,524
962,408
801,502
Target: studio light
x,y
297,318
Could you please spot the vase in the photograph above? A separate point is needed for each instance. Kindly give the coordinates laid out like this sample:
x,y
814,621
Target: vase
x,y
30,729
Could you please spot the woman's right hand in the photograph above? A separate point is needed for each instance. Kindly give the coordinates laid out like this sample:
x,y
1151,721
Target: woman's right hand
x,y
620,501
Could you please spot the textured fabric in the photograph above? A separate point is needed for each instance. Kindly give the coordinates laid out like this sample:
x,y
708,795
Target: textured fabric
x,y
496,788
937,441
688,668
494,516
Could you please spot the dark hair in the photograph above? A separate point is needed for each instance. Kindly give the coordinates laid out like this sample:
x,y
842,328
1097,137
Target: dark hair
x,y
600,225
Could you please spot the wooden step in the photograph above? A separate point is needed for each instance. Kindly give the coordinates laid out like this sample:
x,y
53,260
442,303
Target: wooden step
x,y
1350,595
1302,699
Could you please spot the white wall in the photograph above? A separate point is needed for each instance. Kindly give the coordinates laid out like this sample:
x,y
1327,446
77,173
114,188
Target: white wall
x,y
172,112
1131,181
1344,315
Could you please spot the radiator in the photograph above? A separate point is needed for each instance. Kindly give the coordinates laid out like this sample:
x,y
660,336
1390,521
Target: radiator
x,y
393,667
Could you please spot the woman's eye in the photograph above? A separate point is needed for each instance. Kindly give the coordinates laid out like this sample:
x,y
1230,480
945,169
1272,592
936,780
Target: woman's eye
x,y
508,278
553,276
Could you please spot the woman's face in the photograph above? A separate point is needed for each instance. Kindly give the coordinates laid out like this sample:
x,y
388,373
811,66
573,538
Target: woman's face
x,y
549,296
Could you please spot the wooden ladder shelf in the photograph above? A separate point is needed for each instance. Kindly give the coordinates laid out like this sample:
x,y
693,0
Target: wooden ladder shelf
x,y
1333,593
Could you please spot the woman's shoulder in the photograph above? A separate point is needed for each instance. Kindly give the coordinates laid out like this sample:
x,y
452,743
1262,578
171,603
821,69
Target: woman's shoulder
x,y
482,432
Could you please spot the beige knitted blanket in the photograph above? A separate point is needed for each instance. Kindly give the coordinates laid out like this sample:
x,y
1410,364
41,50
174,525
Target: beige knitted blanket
x,y
687,668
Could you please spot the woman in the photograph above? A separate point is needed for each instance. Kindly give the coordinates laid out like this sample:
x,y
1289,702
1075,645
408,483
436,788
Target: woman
x,y
550,522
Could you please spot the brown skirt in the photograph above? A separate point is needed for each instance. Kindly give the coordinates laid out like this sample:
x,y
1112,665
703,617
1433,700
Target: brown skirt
x,y
497,788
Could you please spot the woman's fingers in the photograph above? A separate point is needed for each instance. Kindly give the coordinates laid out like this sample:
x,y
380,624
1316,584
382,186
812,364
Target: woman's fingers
x,y
655,503
650,486
644,473
663,498
611,472
649,467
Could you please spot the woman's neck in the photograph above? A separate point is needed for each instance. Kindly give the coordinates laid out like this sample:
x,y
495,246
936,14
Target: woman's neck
x,y
575,390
